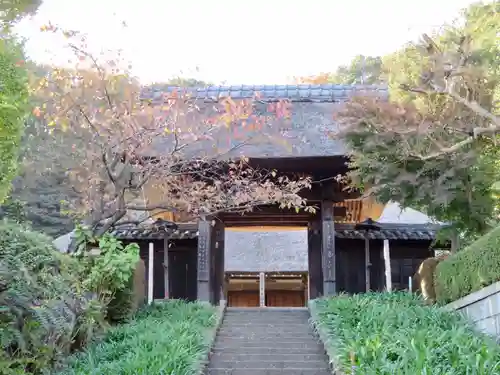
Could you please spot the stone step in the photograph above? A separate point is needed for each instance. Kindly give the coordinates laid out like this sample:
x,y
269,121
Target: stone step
x,y
265,371
285,356
264,322
268,313
265,325
257,333
258,317
268,341
274,364
267,316
295,336
299,328
267,310
258,343
267,349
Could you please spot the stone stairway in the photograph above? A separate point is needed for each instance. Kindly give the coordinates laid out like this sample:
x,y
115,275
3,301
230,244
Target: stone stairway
x,y
267,341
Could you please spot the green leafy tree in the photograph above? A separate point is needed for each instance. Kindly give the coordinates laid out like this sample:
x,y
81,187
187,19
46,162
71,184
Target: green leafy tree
x,y
102,132
12,11
434,145
13,110
181,82
13,90
362,69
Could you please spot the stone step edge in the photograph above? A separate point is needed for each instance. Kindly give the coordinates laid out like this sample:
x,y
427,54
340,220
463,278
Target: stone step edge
x,y
293,356
204,359
217,371
323,336
270,364
271,350
267,368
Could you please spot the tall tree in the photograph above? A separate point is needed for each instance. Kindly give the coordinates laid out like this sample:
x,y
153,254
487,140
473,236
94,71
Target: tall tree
x,y
39,198
13,109
12,11
14,94
113,145
181,82
434,145
362,69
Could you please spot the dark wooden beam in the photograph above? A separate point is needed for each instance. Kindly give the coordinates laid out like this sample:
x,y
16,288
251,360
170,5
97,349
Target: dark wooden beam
x,y
204,251
328,249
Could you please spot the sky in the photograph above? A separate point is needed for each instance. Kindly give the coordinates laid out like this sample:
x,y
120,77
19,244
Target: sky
x,y
236,42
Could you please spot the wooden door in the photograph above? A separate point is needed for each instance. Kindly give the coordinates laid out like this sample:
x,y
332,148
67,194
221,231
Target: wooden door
x,y
182,273
285,298
246,298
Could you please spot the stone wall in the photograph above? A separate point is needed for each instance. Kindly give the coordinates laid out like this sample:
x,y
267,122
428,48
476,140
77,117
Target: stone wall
x,y
482,308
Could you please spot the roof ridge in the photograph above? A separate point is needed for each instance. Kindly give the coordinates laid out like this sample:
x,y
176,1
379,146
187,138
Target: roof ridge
x,y
326,92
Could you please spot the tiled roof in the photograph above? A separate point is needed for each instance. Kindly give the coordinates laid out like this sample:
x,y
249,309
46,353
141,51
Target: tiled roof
x,y
308,132
184,231
323,93
388,232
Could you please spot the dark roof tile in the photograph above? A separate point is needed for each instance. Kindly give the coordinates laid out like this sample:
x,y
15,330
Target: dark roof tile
x,y
307,133
304,92
389,232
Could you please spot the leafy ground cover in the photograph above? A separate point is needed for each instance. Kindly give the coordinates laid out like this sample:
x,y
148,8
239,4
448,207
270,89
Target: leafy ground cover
x,y
395,333
44,313
166,338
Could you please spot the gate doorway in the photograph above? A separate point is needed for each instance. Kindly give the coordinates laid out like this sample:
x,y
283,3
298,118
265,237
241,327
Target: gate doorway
x,y
270,289
182,273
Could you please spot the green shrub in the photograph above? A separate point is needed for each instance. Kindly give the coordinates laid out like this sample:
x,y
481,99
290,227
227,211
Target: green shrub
x,y
44,313
126,301
469,270
109,272
35,254
395,333
120,308
164,338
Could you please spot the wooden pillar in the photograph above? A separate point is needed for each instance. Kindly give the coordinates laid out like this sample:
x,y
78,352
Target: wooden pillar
x,y
218,268
204,246
314,255
262,289
165,268
387,262
367,263
151,251
328,248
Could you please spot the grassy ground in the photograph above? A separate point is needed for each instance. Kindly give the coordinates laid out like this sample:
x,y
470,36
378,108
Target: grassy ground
x,y
394,333
166,338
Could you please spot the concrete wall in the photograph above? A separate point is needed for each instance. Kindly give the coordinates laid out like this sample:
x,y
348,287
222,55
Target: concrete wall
x,y
482,308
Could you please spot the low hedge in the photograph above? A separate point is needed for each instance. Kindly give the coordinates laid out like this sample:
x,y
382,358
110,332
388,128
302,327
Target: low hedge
x,y
469,270
164,338
396,333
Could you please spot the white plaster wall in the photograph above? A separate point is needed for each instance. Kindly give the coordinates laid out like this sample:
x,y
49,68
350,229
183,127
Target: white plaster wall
x,y
266,250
